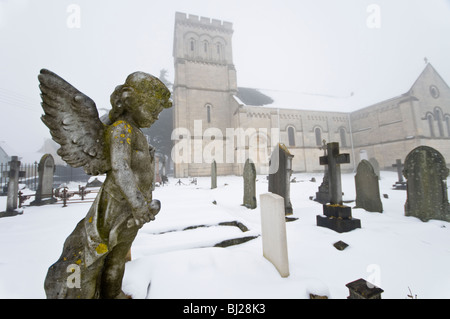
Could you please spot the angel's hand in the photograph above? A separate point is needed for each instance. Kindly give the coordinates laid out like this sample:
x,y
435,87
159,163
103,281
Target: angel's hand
x,y
144,214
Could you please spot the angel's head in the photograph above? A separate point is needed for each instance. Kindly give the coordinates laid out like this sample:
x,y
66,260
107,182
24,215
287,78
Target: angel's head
x,y
140,99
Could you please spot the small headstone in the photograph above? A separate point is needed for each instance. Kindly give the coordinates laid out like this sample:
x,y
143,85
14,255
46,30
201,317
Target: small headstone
x,y
338,217
249,185
213,175
426,174
273,231
13,188
400,184
280,175
44,192
367,188
362,289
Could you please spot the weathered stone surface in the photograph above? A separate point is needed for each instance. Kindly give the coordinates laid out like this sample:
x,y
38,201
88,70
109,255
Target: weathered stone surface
x,y
249,185
426,173
362,289
93,260
44,192
367,188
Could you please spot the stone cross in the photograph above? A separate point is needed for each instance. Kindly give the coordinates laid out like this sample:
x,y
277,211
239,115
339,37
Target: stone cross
x,y
249,185
44,192
273,232
334,161
323,195
213,175
398,164
13,184
426,184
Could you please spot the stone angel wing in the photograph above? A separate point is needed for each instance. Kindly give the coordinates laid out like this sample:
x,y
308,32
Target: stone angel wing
x,y
74,124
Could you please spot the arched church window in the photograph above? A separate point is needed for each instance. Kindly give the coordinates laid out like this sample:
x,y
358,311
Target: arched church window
x,y
438,117
291,136
208,113
343,136
318,133
205,47
430,124
447,122
192,42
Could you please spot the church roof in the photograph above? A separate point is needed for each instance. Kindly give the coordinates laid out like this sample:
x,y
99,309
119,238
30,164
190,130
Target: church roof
x,y
296,100
315,102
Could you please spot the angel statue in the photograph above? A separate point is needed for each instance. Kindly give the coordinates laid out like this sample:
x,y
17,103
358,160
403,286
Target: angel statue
x,y
92,263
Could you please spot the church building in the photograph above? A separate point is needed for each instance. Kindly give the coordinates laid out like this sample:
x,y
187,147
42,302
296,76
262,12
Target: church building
x,y
214,119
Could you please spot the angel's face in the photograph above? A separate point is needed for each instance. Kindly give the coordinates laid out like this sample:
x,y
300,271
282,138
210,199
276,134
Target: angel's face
x,y
147,109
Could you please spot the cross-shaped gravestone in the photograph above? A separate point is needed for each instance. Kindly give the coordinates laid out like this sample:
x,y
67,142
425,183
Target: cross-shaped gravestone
x,y
398,164
323,195
13,188
334,160
400,184
337,216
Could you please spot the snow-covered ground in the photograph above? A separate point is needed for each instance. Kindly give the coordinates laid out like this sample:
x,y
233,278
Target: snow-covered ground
x,y
397,253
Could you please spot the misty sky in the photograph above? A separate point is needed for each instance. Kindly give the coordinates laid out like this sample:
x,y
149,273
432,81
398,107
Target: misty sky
x,y
374,49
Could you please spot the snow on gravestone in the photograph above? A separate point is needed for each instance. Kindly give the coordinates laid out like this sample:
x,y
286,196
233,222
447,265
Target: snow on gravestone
x,y
273,230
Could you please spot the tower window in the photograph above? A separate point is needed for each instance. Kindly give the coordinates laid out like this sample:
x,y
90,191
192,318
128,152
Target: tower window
x,y
192,44
318,134
343,136
430,124
208,113
205,47
291,136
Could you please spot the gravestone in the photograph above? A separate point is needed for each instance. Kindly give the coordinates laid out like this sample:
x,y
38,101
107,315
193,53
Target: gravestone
x,y
400,184
44,193
338,217
273,231
426,186
13,188
367,188
213,175
249,185
323,195
280,175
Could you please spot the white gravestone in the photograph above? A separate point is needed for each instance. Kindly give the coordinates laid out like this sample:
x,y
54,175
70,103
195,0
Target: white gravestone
x,y
273,230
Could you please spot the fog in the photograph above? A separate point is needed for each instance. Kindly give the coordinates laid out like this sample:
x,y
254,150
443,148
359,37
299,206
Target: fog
x,y
372,49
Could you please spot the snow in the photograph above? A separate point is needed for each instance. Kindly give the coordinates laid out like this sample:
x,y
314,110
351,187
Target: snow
x,y
394,252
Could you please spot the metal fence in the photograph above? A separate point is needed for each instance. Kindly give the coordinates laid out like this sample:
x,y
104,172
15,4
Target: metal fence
x,y
29,176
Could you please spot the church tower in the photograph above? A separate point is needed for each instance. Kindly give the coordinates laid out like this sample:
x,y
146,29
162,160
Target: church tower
x,y
205,82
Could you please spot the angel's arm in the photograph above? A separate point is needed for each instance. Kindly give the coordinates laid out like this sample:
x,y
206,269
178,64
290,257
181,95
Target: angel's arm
x,y
124,177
